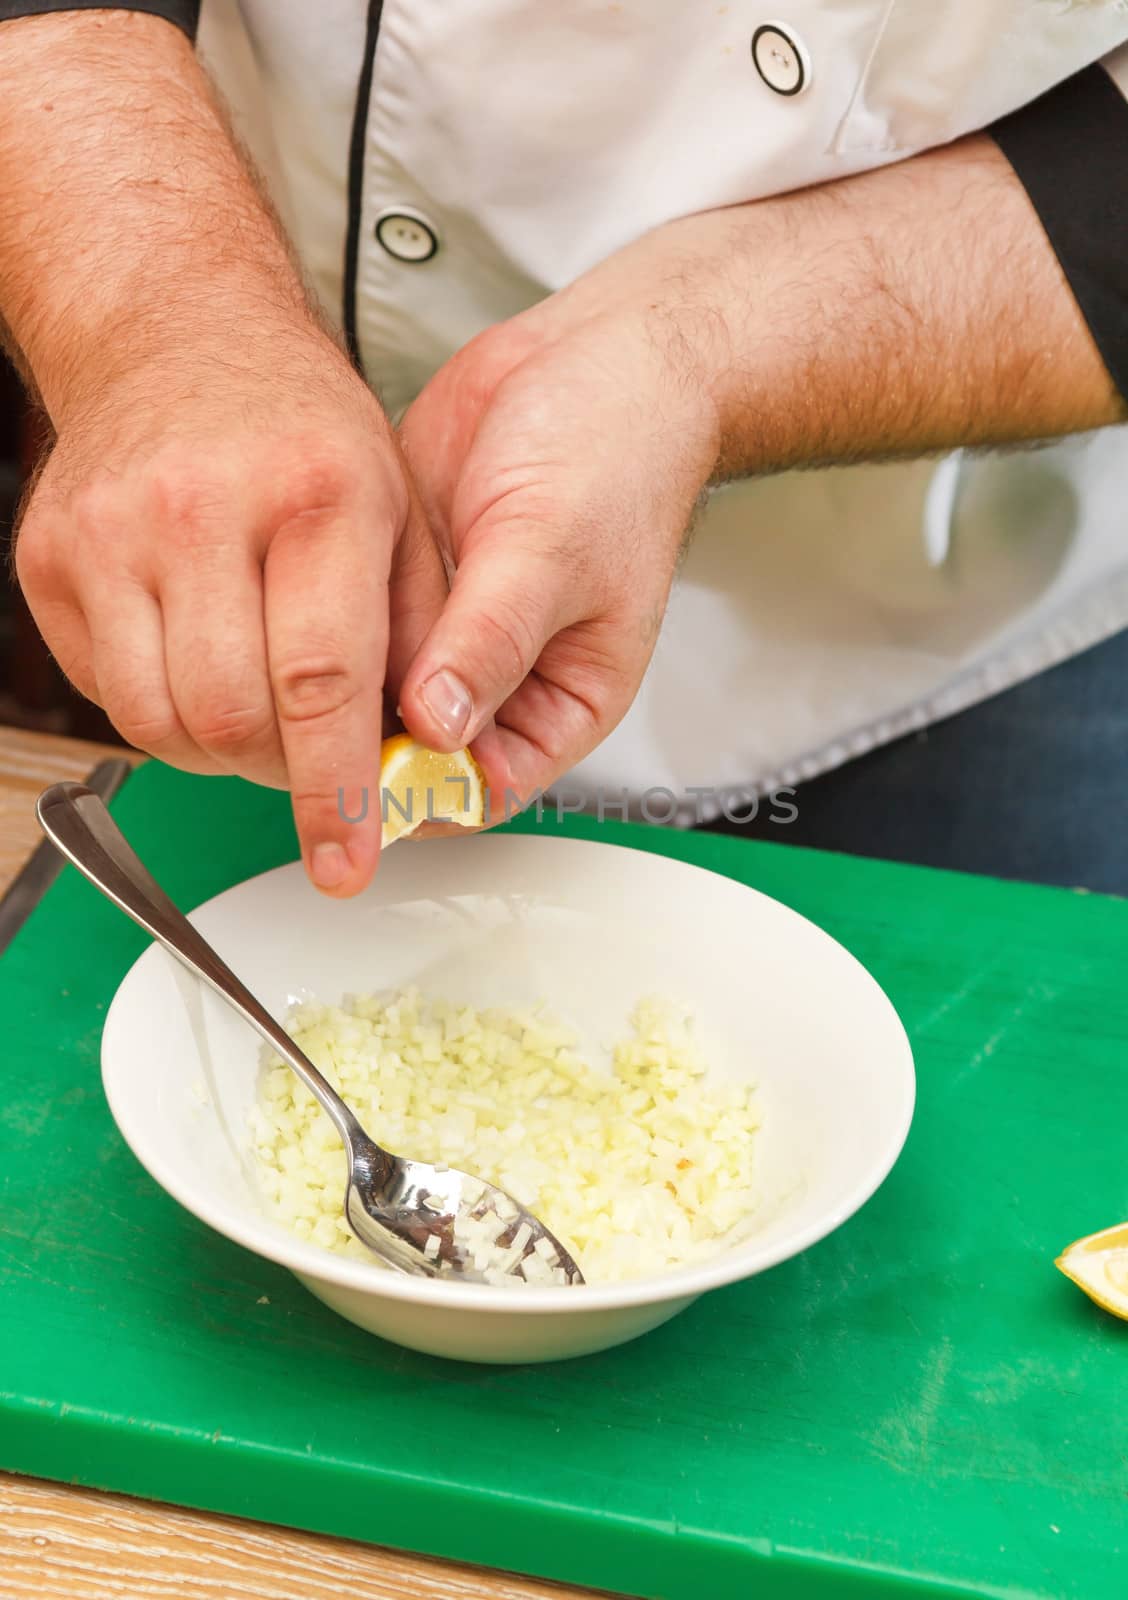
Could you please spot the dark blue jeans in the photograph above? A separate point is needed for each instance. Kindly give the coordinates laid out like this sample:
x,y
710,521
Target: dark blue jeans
x,y
1030,784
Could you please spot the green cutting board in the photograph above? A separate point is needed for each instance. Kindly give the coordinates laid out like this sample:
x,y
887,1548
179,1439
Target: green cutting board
x,y
919,1405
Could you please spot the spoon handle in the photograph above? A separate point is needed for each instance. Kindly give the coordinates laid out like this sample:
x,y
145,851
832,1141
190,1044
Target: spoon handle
x,y
79,825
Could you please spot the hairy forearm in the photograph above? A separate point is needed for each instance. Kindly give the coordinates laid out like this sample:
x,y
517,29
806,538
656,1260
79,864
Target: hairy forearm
x,y
911,309
128,219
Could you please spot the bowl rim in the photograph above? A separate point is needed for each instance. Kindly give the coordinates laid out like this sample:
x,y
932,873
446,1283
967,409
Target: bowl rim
x,y
731,1265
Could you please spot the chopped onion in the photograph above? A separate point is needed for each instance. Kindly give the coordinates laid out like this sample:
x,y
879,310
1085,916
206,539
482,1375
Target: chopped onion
x,y
637,1169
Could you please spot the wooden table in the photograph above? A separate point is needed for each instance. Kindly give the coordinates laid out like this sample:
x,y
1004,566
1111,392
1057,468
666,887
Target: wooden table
x,y
57,1541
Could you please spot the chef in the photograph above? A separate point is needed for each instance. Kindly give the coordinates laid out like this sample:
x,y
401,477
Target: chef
x,y
613,271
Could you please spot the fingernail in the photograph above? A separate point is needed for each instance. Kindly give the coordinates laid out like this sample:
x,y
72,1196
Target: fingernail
x,y
448,700
328,865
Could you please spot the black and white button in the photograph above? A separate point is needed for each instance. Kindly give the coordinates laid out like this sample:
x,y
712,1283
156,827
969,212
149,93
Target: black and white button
x,y
406,234
781,59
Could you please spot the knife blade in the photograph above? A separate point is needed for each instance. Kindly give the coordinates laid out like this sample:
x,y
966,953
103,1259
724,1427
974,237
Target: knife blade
x,y
45,863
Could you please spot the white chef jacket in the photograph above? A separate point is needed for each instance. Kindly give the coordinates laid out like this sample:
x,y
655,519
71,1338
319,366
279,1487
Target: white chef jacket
x,y
502,147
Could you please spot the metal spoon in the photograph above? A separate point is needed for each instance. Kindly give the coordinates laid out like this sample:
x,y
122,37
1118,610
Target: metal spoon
x,y
394,1206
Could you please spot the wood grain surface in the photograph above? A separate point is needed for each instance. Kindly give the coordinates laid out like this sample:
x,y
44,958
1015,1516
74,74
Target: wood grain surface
x,y
28,763
57,1541
68,1544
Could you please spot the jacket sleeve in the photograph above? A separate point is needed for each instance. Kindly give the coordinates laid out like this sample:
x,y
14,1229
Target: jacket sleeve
x,y
184,13
1069,149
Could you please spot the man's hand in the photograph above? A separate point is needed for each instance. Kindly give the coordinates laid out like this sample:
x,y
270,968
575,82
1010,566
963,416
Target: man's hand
x,y
560,455
559,458
209,553
224,528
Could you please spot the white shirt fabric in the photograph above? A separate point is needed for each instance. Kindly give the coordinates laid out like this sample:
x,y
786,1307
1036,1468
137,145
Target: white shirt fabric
x,y
818,614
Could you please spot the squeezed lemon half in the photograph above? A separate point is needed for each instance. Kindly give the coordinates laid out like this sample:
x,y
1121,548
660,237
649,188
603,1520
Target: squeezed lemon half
x,y
418,785
1098,1264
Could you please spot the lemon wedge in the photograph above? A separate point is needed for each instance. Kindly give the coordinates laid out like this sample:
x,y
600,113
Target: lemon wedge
x,y
1098,1264
419,785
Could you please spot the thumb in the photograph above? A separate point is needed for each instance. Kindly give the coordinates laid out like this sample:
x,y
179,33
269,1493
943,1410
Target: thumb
x,y
504,607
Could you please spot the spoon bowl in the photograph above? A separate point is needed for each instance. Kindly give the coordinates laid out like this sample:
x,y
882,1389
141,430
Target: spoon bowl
x,y
457,1224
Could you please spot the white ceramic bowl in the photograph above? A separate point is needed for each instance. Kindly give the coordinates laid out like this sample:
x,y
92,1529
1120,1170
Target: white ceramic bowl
x,y
507,920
